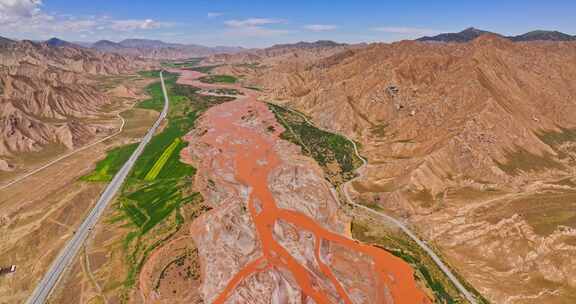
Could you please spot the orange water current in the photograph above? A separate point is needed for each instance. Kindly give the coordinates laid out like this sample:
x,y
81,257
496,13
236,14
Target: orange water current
x,y
255,157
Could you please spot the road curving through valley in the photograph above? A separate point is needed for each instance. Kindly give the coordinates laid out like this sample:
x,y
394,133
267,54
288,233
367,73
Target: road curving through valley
x,y
345,187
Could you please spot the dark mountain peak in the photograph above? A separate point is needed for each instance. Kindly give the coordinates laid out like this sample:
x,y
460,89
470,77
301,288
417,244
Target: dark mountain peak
x,y
55,42
466,35
105,43
541,35
472,30
472,33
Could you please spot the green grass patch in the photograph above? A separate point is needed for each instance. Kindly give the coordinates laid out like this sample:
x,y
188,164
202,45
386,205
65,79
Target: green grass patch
x,y
154,90
218,79
109,166
159,186
333,152
152,203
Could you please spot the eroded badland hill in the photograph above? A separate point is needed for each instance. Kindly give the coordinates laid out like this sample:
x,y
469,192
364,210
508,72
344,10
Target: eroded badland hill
x,y
473,143
52,97
236,200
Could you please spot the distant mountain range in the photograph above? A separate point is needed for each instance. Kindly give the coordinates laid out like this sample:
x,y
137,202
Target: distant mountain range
x,y
145,48
158,49
470,34
309,45
309,50
5,40
55,42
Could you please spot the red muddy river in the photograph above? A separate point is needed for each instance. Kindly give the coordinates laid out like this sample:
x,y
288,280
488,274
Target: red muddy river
x,y
255,158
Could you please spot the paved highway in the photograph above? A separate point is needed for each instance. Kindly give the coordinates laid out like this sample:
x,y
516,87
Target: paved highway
x,y
393,220
66,256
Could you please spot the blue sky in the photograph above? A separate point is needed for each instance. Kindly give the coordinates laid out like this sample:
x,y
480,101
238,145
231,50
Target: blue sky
x,y
263,23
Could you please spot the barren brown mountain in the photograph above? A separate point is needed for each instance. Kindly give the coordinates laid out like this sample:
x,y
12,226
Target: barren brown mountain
x,y
281,53
472,143
49,95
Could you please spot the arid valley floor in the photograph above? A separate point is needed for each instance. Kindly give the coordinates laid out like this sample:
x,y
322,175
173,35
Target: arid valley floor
x,y
295,174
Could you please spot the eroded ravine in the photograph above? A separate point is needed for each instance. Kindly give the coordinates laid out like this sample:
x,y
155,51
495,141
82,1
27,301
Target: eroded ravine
x,y
240,139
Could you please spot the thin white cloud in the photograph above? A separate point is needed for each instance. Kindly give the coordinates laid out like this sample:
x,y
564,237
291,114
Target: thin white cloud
x,y
13,9
252,22
320,27
131,25
215,14
406,30
255,27
26,17
257,32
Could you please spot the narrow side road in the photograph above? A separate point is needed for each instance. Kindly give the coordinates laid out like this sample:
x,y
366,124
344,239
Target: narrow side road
x,y
69,252
54,161
391,219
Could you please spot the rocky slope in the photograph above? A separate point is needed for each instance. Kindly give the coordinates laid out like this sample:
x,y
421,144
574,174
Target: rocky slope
x,y
471,106
474,139
48,92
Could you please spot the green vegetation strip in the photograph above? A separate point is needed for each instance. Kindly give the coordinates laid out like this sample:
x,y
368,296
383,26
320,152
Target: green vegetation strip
x,y
157,197
192,62
107,168
426,270
153,173
333,152
218,79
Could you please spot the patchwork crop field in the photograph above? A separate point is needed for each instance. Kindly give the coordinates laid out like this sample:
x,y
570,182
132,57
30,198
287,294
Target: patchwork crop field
x,y
160,186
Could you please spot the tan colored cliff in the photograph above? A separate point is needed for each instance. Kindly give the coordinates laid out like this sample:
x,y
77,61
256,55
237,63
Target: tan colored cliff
x,y
47,94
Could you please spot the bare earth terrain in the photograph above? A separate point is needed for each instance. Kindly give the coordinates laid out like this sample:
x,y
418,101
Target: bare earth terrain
x,y
471,145
39,214
270,228
276,227
470,142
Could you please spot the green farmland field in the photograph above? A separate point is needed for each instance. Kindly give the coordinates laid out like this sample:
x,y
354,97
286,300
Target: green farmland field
x,y
218,79
158,195
332,151
153,173
107,168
